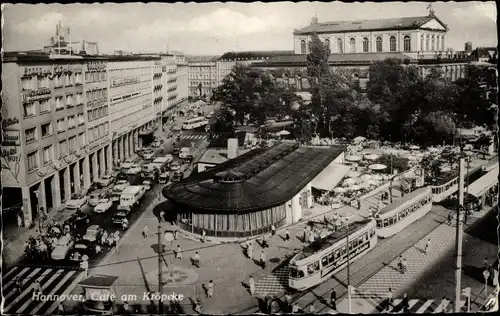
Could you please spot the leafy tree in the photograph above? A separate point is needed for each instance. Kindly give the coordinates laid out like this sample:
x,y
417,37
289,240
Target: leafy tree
x,y
397,163
317,59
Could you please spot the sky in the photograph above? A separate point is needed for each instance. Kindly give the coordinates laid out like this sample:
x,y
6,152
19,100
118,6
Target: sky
x,y
215,28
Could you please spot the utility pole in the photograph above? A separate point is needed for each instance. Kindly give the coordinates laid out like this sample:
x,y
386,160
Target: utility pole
x,y
348,263
459,233
160,273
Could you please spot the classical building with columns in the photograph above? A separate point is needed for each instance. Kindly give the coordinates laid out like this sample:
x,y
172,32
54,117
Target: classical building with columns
x,y
66,119
419,41
244,196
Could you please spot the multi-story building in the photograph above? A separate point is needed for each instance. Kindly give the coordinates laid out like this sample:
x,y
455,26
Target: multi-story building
x,y
202,75
67,118
419,41
175,93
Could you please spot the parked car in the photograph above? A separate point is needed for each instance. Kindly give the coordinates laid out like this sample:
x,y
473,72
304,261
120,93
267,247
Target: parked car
x,y
103,206
127,164
175,166
106,180
177,176
77,202
62,247
119,216
92,233
97,195
163,178
78,218
147,184
81,248
150,155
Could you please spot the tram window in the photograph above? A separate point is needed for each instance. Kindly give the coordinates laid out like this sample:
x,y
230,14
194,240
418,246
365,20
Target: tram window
x,y
337,254
324,261
331,257
350,246
394,219
372,233
311,268
390,221
385,222
360,239
354,243
344,251
379,224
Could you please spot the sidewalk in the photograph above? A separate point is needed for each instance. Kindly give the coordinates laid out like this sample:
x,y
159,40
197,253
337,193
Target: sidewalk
x,y
375,289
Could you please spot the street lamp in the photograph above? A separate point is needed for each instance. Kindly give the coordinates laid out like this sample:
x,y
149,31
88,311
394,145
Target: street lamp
x,y
486,275
349,290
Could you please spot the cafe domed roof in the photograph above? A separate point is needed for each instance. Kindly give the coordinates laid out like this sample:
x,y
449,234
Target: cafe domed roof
x,y
259,179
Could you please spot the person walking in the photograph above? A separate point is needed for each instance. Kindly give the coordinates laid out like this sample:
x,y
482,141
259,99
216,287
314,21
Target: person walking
x,y
287,235
145,232
311,237
390,300
358,204
18,285
400,264
263,259
486,264
251,285
450,219
333,300
403,265
427,246
210,289
176,234
203,234
196,260
178,252
162,217
85,266
306,234
264,241
273,230
249,250
37,287
197,304
97,249
406,304
295,308
19,220
116,238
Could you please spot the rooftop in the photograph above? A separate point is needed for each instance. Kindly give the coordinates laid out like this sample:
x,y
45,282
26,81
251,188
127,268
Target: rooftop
x,y
218,155
260,179
249,55
350,58
404,23
34,56
199,59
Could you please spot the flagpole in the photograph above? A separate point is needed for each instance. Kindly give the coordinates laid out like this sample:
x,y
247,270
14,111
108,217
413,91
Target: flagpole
x,y
70,47
59,38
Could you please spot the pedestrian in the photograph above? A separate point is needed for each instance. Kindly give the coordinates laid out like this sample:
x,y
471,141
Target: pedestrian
x,y
359,204
176,234
145,231
306,234
98,249
125,307
178,253
18,284
403,265
251,285
250,250
116,238
295,308
19,220
37,288
210,289
273,230
263,259
196,260
406,304
60,308
197,304
162,216
264,241
390,299
203,234
486,263
400,263
495,277
124,224
85,266
312,310
287,235
333,300
427,246
450,219
311,237
288,303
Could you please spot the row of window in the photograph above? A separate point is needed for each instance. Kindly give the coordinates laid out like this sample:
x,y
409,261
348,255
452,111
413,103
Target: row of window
x,y
72,144
43,81
366,45
404,212
435,43
98,132
203,83
46,129
95,76
202,76
97,113
96,94
445,187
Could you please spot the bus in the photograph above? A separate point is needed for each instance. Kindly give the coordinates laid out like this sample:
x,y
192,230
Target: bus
x,y
194,123
396,216
318,261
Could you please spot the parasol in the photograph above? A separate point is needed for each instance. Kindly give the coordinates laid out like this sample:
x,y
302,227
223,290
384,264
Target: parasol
x,y
377,167
372,157
353,158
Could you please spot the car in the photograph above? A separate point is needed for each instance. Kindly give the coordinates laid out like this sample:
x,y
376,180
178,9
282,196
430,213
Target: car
x,y
149,156
127,164
175,166
62,247
156,144
78,218
97,195
120,182
163,178
176,128
177,176
119,216
103,206
106,180
77,202
81,248
147,184
92,233
176,150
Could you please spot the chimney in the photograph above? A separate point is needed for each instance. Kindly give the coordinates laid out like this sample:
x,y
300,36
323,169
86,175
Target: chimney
x,y
232,148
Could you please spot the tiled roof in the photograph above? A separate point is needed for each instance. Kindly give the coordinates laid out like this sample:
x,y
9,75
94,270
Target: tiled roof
x,y
259,179
366,25
205,58
334,58
254,54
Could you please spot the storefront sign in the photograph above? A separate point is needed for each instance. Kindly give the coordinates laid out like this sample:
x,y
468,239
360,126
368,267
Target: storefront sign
x,y
33,71
9,121
40,94
60,69
96,65
11,138
116,82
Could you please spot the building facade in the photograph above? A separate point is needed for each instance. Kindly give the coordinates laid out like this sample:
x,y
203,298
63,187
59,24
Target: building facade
x,y
202,76
67,119
175,82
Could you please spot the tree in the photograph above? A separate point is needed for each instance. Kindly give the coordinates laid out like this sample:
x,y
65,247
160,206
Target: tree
x,y
317,59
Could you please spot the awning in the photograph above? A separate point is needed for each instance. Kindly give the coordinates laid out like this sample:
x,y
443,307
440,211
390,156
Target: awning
x,y
330,177
99,281
484,183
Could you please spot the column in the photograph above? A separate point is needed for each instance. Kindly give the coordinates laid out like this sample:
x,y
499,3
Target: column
x,y
25,191
95,175
139,140
296,208
109,159
67,184
131,148
125,146
309,195
115,151
102,163
42,201
76,176
56,190
136,139
86,172
123,151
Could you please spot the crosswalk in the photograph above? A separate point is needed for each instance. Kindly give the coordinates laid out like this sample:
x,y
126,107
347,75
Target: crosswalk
x,y
274,283
193,136
54,281
416,306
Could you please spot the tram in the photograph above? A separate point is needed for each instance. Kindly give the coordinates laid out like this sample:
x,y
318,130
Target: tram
x,y
318,261
398,215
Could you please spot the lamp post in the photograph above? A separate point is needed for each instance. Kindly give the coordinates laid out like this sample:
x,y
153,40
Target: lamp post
x,y
459,233
346,218
160,272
